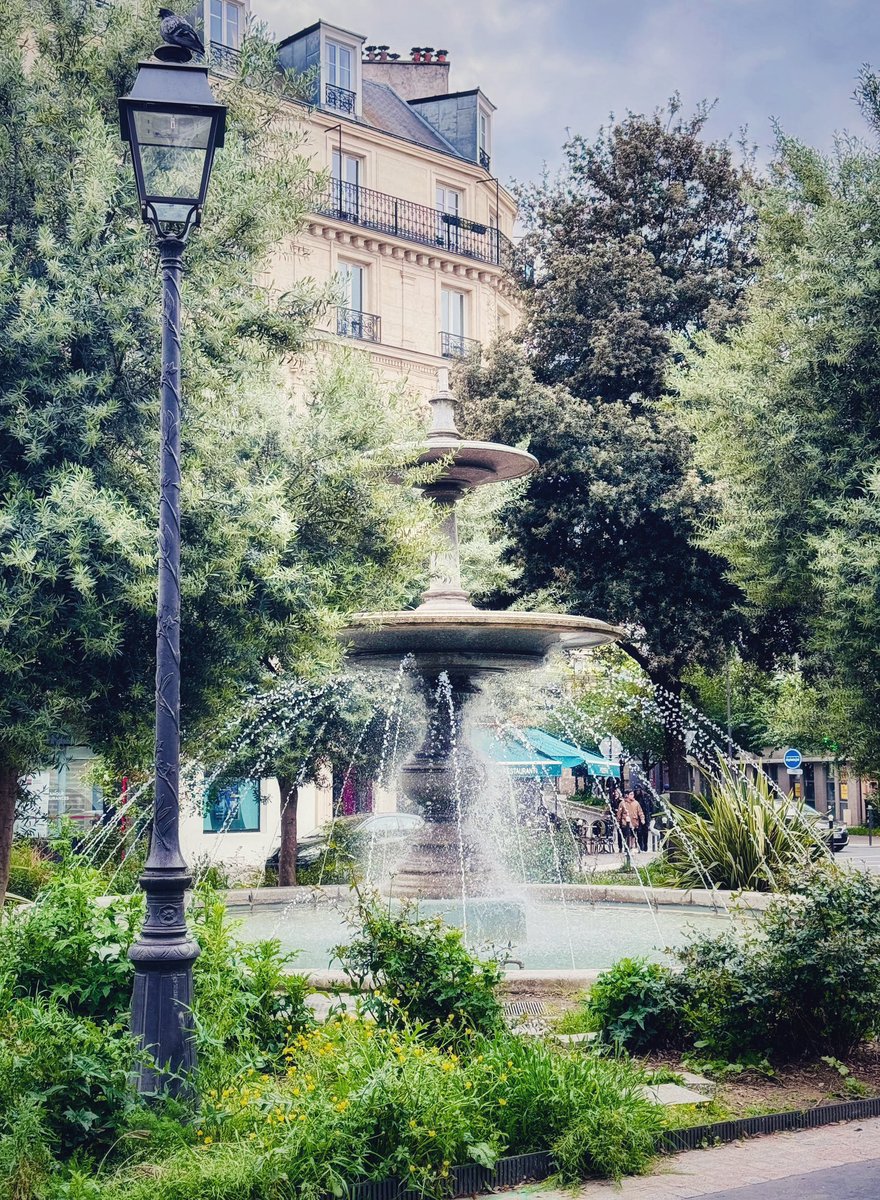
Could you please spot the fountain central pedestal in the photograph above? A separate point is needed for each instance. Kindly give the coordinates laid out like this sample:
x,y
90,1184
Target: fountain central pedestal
x,y
454,646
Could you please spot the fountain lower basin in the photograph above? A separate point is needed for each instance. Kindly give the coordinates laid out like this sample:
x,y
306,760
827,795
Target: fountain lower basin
x,y
552,935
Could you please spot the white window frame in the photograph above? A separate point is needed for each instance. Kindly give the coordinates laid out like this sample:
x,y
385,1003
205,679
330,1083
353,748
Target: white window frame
x,y
330,74
231,40
333,66
348,271
446,311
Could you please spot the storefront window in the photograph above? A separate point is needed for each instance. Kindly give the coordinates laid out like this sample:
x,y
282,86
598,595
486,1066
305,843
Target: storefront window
x,y
232,806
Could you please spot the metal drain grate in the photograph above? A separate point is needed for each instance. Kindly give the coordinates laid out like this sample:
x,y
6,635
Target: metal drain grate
x,y
524,1008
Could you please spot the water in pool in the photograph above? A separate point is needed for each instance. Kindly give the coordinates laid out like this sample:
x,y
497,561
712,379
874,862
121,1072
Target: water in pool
x,y
553,934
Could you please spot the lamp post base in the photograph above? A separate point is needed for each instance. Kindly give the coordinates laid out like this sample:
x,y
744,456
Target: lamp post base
x,y
161,1008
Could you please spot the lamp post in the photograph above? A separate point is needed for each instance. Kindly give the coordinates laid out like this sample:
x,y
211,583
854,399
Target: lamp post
x,y
173,125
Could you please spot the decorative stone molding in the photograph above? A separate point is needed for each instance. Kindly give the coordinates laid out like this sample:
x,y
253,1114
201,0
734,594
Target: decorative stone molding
x,y
375,243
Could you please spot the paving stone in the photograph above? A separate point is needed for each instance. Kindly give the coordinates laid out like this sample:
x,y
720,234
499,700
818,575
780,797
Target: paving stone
x,y
675,1093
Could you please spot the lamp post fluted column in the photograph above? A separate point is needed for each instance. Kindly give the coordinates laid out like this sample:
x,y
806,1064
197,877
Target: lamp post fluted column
x,y
164,954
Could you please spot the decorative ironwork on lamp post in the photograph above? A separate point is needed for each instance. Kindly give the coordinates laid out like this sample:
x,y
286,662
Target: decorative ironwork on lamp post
x,y
173,125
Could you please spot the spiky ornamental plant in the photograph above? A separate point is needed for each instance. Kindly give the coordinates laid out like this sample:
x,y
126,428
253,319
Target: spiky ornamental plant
x,y
277,537
745,836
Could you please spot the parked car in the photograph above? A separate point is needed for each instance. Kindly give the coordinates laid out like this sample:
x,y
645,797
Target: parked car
x,y
835,834
360,828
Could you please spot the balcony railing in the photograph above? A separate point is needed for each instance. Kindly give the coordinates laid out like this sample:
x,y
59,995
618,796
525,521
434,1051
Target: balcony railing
x,y
453,345
339,98
351,322
416,223
224,59
484,159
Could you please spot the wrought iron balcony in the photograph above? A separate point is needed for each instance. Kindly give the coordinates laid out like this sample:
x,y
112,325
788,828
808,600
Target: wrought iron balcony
x,y
224,59
453,345
484,159
416,223
339,98
351,322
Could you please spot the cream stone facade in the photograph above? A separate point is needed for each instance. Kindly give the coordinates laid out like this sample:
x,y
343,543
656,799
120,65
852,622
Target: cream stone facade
x,y
413,228
414,231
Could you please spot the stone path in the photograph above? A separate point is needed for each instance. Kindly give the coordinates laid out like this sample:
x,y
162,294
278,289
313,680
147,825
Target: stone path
x,y
815,1164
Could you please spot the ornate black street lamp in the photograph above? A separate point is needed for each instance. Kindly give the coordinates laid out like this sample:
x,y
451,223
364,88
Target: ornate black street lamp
x,y
173,125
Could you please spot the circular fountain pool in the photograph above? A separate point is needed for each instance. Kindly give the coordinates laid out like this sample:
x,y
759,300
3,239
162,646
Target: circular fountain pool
x,y
558,936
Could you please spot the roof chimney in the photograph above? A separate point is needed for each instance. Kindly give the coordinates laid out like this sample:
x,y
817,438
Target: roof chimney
x,y
424,73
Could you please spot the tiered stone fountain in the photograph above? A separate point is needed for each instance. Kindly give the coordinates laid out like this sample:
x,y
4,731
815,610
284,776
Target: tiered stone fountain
x,y
448,637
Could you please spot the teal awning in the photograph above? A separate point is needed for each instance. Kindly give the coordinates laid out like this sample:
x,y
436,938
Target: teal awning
x,y
573,756
535,752
519,756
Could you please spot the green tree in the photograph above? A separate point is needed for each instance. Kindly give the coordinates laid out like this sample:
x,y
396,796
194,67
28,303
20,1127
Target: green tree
x,y
785,417
299,731
287,520
646,233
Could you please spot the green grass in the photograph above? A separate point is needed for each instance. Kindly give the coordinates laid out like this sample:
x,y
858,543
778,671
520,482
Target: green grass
x,y
657,873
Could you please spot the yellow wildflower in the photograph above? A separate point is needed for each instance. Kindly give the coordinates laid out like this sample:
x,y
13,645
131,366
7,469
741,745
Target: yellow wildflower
x,y
502,1102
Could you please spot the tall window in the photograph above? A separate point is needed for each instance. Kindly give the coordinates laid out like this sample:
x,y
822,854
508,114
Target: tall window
x,y
351,320
448,206
339,65
483,147
346,172
453,343
339,78
452,312
353,282
226,23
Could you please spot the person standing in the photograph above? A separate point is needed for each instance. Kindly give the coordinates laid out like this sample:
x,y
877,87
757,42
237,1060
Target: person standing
x,y
645,801
630,818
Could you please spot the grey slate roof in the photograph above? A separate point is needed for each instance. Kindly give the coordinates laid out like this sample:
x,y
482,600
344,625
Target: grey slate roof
x,y
385,110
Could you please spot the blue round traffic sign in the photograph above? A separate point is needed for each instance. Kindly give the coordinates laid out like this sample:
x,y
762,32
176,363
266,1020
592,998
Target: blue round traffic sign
x,y
793,759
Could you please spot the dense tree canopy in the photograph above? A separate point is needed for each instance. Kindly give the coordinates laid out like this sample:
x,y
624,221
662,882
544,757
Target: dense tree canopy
x,y
286,523
786,419
646,234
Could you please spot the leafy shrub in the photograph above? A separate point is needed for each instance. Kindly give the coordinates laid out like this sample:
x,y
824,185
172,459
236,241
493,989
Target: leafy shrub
x,y
746,836
71,948
358,1102
635,1004
64,1074
25,1157
30,869
245,997
420,969
803,979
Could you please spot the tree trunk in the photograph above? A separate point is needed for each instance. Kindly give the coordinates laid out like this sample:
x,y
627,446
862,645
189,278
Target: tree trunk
x,y
8,797
287,858
675,750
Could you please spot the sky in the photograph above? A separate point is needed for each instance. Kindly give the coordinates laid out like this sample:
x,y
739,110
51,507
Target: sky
x,y
552,66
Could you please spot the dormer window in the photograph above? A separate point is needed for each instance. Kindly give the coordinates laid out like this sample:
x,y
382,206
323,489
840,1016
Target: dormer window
x,y
339,89
484,136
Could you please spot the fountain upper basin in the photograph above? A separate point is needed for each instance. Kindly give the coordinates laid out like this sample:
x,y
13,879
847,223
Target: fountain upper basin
x,y
480,641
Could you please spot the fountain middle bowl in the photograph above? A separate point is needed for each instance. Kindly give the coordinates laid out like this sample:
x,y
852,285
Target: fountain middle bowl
x,y
481,641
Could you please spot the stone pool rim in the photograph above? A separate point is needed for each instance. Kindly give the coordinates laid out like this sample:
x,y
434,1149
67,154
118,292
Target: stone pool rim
x,y
579,893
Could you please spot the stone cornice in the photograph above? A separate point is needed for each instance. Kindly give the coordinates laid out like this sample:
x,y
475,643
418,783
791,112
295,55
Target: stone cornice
x,y
406,252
